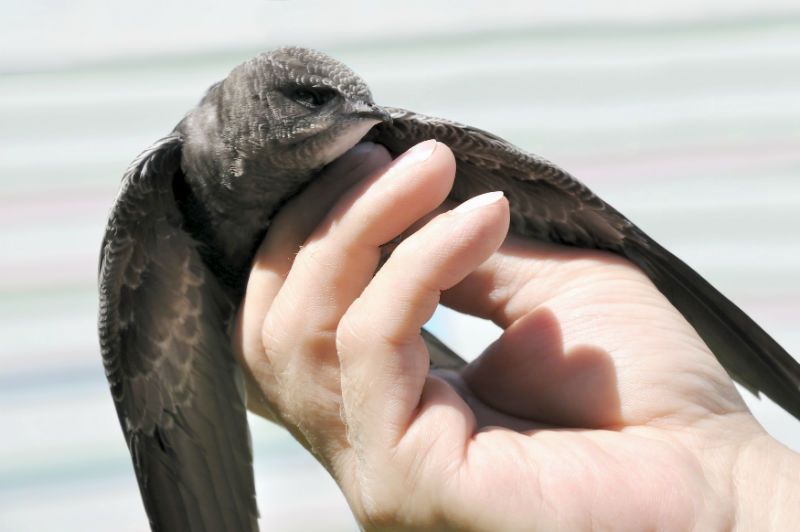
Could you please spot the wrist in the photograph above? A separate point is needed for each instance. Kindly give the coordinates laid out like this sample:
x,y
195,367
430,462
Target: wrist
x,y
766,481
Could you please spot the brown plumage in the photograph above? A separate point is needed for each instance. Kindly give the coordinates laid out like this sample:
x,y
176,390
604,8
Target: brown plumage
x,y
193,208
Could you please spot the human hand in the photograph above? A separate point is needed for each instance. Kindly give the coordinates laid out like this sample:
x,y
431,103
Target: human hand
x,y
598,407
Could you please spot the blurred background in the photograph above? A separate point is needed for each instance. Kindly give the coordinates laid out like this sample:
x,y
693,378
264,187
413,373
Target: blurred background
x,y
685,115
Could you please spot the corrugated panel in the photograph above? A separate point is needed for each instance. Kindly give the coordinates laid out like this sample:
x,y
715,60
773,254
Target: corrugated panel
x,y
691,127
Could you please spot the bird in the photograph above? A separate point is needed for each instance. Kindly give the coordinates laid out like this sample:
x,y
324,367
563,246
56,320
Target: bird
x,y
193,207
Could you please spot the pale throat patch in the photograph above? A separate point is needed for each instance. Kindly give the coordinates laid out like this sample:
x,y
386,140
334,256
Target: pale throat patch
x,y
348,138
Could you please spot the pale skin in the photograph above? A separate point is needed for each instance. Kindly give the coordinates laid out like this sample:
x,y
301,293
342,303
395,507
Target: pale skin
x,y
598,408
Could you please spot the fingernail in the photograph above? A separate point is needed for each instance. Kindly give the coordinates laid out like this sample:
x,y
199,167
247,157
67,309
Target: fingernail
x,y
479,201
415,155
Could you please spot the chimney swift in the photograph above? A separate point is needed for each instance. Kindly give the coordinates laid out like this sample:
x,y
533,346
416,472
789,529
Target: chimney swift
x,y
193,208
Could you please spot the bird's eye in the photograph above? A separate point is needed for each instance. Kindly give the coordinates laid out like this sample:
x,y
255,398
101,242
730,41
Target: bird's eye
x,y
313,96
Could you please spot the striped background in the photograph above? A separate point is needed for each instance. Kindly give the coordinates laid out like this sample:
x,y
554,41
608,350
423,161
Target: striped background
x,y
685,117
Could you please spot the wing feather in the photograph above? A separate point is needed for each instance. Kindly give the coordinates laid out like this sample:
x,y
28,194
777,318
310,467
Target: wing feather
x,y
548,204
176,386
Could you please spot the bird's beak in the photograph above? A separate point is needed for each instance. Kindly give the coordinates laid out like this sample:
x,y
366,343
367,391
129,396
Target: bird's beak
x,y
373,111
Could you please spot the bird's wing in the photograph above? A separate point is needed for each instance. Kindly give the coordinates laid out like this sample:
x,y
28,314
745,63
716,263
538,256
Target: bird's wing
x,y
178,391
549,204
441,356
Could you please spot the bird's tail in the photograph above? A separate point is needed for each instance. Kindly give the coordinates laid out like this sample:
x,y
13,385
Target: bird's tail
x,y
748,353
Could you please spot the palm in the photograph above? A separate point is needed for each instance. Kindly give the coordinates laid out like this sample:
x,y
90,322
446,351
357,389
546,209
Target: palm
x,y
580,400
587,342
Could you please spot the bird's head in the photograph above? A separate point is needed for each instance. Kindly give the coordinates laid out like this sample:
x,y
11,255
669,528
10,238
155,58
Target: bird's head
x,y
264,131
307,95
291,109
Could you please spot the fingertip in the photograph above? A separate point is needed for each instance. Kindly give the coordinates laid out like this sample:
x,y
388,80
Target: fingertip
x,y
486,218
446,160
446,152
482,200
363,159
430,161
